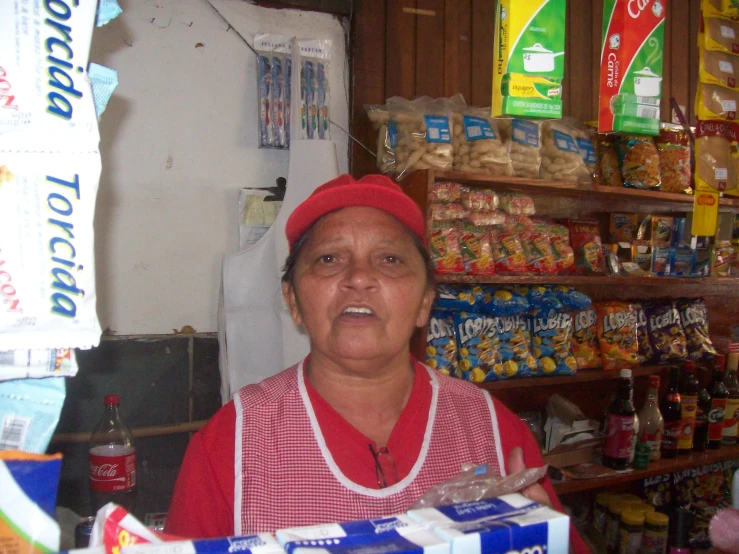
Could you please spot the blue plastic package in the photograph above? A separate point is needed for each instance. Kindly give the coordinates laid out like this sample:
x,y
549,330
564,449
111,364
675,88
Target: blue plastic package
x,y
104,81
478,347
572,300
108,10
541,299
29,413
441,343
514,336
503,301
467,298
552,344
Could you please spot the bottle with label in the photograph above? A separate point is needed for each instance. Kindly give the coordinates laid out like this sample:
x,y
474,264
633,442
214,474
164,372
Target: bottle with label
x,y
680,532
671,408
689,399
700,434
621,412
719,400
732,404
651,422
112,460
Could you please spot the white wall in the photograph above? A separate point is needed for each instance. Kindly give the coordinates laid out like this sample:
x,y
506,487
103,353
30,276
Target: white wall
x,y
178,142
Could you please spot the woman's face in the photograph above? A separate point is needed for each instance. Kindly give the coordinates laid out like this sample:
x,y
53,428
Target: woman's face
x,y
360,287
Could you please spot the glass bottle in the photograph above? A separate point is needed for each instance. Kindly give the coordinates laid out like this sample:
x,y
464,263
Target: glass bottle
x,y
689,398
671,408
651,422
621,414
719,401
700,435
732,405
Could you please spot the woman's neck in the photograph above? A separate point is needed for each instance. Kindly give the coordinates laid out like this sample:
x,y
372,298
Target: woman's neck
x,y
370,399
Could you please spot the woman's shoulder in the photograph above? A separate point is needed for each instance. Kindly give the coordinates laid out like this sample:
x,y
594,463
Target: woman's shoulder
x,y
270,390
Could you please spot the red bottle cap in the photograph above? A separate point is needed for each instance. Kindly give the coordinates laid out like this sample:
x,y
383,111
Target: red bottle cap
x,y
654,381
112,400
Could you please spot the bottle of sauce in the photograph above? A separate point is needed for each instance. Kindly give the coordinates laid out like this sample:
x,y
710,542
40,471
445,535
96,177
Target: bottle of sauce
x,y
671,408
700,434
620,426
719,401
732,405
689,398
651,423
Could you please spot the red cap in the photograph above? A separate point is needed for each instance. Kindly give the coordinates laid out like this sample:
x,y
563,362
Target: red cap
x,y
373,191
112,399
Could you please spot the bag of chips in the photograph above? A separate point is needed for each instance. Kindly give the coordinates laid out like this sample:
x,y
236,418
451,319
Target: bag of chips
x,y
441,343
585,346
639,162
585,239
665,332
508,253
479,347
552,344
571,300
646,353
466,298
445,192
617,335
444,248
694,317
517,204
476,252
515,337
537,249
504,300
542,300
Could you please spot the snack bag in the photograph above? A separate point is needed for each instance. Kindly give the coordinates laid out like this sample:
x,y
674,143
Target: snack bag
x,y
571,300
694,317
665,332
609,168
564,255
639,162
503,301
467,298
585,237
478,144
623,227
542,300
673,145
552,344
515,337
585,346
476,254
444,192
387,137
480,200
447,211
617,335
537,249
646,352
479,347
517,204
441,343
508,253
561,158
525,144
444,248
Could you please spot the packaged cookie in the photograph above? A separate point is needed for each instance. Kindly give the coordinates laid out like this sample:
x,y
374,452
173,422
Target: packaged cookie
x,y
515,337
444,248
477,255
478,144
478,347
561,159
609,168
665,332
694,317
673,146
645,353
441,343
525,144
639,162
586,243
552,344
585,345
617,335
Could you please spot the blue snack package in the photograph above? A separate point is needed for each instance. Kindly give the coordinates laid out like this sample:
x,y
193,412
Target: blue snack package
x,y
541,299
514,337
552,344
29,412
441,343
467,298
478,347
572,300
503,300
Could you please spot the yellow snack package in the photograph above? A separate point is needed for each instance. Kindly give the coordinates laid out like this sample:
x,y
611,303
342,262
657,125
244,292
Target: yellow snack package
x,y
617,335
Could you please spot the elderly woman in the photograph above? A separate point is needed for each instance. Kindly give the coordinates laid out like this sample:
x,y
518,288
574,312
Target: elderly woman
x,y
359,429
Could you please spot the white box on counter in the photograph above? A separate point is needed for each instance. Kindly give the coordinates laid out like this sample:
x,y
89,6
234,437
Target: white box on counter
x,y
260,543
510,523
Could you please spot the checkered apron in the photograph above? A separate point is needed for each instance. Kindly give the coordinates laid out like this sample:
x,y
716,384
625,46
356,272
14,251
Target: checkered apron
x,y
285,475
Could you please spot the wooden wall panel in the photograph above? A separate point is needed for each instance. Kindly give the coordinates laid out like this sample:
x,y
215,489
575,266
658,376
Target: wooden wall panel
x,y
578,87
400,49
430,18
457,49
680,52
483,21
596,45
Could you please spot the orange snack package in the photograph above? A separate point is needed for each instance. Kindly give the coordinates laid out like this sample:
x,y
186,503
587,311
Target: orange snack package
x,y
585,345
617,335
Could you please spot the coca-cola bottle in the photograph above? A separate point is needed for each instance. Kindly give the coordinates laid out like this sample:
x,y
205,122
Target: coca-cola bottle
x,y
112,460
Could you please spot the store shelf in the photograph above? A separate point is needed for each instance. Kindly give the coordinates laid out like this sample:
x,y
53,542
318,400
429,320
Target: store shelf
x,y
586,280
659,467
560,187
583,376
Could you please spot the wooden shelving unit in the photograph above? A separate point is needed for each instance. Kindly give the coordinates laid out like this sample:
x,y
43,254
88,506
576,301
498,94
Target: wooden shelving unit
x,y
587,280
696,459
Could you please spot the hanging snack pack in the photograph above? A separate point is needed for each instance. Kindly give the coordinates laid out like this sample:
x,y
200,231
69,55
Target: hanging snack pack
x,y
617,335
665,332
542,300
572,300
514,336
528,60
552,344
561,157
478,144
537,248
508,253
646,352
585,345
694,318
441,343
478,347
718,68
525,146
716,103
631,66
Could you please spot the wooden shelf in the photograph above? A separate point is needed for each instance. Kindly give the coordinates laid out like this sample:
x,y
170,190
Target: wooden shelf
x,y
585,280
582,376
659,467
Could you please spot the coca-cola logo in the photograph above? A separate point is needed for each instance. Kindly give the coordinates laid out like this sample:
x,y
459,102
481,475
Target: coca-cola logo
x,y
104,470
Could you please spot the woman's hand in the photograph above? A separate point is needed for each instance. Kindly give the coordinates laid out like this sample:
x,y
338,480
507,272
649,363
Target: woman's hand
x,y
534,492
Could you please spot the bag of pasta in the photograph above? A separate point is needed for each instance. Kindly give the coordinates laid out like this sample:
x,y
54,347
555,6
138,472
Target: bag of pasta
x,y
478,144
639,162
425,131
673,145
608,169
387,136
561,159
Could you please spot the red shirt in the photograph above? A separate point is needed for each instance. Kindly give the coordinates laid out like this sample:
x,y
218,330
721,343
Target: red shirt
x,y
202,504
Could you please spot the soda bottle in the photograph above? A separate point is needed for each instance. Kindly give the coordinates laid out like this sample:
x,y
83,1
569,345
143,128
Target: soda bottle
x,y
700,434
671,408
732,405
719,400
112,460
621,412
651,422
689,398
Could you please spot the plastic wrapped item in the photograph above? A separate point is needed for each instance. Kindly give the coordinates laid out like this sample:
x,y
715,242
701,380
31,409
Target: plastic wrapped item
x,y
314,94
609,169
718,68
645,352
617,335
673,145
572,300
387,137
586,243
716,103
716,158
665,332
585,137
508,253
514,335
468,298
476,251
270,48
720,35
478,200
517,204
694,318
448,192
537,248
31,364
478,144
585,345
29,412
542,300
639,161
478,347
441,343
552,344
525,145
444,247
478,483
503,301
561,159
